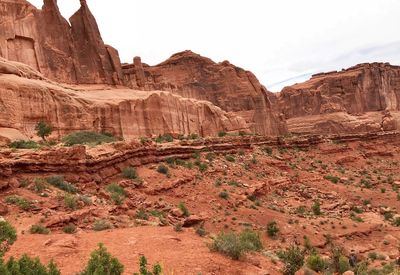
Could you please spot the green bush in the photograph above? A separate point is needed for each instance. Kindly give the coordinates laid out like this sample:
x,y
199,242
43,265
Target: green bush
x,y
85,137
272,229
267,150
117,193
101,225
141,214
344,264
164,138
129,173
235,245
157,269
230,158
201,231
21,202
69,229
178,227
184,209
224,195
58,182
28,266
316,208
331,178
317,263
162,169
23,144
39,229
293,259
70,202
7,234
101,262
39,185
221,134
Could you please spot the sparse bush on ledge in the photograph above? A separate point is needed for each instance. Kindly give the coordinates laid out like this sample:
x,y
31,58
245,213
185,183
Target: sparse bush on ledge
x,y
101,262
129,173
59,182
39,229
89,138
24,144
235,245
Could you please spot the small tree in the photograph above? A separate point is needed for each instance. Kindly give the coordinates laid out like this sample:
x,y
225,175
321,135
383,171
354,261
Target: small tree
x,y
101,262
157,269
43,130
8,235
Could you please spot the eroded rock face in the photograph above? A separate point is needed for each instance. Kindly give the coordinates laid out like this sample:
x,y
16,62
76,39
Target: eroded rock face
x,y
45,41
225,85
124,112
362,98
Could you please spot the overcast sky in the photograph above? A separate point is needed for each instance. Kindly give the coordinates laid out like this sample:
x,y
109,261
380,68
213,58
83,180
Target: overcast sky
x,y
282,42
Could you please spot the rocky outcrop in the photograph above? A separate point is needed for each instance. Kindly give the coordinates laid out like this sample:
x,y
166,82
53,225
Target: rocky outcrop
x,y
45,41
223,84
362,98
125,113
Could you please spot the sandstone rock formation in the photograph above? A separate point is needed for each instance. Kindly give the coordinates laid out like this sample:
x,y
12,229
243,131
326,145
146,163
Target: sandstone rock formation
x,y
125,113
362,98
44,40
225,85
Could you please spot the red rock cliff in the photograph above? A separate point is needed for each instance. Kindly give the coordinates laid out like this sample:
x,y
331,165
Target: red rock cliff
x,y
44,40
365,97
225,85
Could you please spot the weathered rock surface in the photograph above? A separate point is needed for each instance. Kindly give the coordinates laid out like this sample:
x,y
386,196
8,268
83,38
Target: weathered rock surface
x,y
123,112
362,98
44,40
225,85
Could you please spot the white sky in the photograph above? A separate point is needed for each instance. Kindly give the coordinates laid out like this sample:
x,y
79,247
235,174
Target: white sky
x,y
281,41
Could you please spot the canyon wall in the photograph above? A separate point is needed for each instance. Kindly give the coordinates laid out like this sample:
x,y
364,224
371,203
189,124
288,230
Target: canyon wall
x,y
44,40
26,98
362,98
225,85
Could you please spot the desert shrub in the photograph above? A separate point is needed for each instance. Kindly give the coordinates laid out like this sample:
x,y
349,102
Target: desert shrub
x,y
272,229
69,229
157,269
164,138
235,245
86,137
28,266
230,158
178,227
344,264
221,133
267,150
194,136
141,214
293,259
71,202
373,255
101,262
203,166
224,195
21,202
184,209
396,221
39,229
129,173
316,262
8,234
301,210
39,185
59,182
162,169
316,208
24,144
117,193
101,225
201,231
331,178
